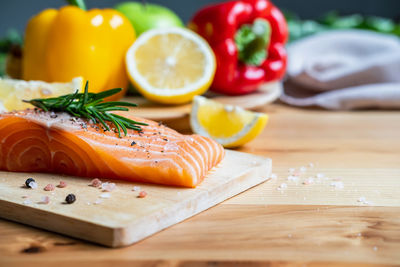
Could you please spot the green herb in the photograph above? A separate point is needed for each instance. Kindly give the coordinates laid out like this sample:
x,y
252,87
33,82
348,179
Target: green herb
x,y
299,28
91,106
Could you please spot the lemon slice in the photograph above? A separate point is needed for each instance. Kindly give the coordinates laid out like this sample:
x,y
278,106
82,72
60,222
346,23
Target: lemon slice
x,y
12,92
171,65
231,126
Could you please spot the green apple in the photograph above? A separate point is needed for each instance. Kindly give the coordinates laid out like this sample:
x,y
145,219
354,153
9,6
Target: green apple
x,y
144,16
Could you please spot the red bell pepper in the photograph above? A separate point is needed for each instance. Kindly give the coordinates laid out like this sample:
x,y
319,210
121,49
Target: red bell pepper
x,y
248,39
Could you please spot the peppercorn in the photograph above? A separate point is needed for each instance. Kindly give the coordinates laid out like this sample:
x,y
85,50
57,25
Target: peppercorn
x,y
28,181
70,199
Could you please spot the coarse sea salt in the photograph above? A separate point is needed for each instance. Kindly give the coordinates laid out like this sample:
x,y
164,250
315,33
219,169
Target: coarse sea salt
x,y
303,169
282,186
108,187
27,202
105,195
293,178
337,184
309,180
45,200
273,176
33,185
291,170
136,188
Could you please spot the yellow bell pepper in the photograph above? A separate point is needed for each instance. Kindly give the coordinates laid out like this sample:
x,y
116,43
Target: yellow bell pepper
x,y
70,42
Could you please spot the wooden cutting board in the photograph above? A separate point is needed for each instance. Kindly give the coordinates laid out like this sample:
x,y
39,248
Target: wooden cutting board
x,y
120,218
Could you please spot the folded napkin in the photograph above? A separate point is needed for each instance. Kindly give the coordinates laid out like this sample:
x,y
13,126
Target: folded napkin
x,y
344,69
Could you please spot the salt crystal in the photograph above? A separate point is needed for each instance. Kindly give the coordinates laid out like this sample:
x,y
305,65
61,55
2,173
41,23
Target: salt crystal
x,y
283,186
136,188
337,184
273,176
289,235
359,234
98,201
308,181
105,195
304,198
291,170
303,169
45,200
33,185
108,187
27,201
361,199
293,178
320,175
375,248
311,165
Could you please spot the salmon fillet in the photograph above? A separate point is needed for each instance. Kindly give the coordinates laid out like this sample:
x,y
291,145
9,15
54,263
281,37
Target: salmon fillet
x,y
38,141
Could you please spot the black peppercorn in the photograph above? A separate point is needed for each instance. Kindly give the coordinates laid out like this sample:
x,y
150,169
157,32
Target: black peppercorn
x,y
133,143
28,181
70,199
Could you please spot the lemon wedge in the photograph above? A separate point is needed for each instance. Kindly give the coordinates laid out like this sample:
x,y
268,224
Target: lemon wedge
x,y
12,92
231,126
171,65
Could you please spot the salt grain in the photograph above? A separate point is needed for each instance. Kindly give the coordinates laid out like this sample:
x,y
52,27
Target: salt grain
x,y
136,188
311,165
337,184
108,187
375,248
33,185
293,178
320,175
282,186
105,195
309,180
27,201
45,200
273,176
291,170
98,201
303,169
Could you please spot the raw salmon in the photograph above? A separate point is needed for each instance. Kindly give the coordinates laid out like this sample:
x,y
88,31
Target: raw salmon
x,y
38,141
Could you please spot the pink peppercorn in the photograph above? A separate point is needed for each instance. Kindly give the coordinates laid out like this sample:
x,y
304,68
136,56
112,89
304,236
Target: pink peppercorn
x,y
49,187
62,184
95,182
142,194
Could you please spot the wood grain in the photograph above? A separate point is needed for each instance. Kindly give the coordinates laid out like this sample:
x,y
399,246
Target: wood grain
x,y
316,224
136,218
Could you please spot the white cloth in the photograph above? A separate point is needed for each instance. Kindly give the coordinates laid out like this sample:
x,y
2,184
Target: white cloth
x,y
344,69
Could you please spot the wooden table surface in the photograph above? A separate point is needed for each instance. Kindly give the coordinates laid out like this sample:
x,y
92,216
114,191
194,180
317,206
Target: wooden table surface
x,y
347,212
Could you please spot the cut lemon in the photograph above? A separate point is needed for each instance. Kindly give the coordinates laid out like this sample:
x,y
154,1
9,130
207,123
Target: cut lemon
x,y
12,92
171,65
230,126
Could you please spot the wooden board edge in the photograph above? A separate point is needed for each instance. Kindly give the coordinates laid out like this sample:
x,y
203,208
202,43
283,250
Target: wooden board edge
x,y
130,234
59,223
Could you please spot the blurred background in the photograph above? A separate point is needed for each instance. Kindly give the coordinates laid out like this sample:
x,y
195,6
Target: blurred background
x,y
15,14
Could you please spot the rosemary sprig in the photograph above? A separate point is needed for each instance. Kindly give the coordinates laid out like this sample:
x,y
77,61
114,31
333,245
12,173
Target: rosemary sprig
x,y
91,106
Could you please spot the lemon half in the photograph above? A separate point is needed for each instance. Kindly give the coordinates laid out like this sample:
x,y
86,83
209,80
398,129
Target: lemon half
x,y
171,65
231,126
12,91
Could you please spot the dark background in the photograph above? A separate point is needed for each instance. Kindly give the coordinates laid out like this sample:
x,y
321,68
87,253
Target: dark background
x,y
15,13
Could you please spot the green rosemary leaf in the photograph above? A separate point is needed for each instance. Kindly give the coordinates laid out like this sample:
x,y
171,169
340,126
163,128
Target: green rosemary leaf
x,y
92,107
